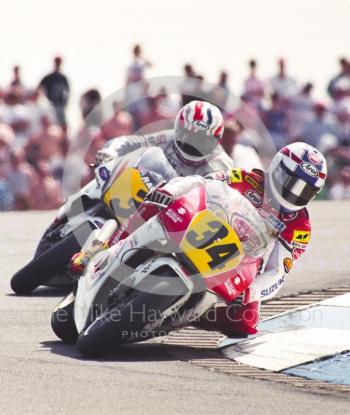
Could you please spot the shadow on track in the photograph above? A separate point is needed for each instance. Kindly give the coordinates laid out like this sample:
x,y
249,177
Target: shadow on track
x,y
44,292
140,352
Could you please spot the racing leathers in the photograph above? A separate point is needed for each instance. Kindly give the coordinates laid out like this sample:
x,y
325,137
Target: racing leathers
x,y
290,231
120,146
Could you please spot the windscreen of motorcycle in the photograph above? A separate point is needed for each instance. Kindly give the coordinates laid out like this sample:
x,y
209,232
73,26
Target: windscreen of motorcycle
x,y
231,206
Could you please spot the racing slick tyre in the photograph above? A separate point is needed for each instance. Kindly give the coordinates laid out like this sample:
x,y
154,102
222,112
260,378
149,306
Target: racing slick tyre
x,y
54,260
62,320
118,325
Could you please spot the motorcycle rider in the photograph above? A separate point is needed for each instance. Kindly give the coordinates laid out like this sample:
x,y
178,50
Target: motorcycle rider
x,y
296,174
192,147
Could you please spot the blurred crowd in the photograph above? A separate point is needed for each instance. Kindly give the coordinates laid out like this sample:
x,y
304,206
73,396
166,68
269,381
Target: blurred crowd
x,y
35,137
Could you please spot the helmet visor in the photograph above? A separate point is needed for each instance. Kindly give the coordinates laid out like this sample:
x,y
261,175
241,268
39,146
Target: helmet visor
x,y
196,144
293,189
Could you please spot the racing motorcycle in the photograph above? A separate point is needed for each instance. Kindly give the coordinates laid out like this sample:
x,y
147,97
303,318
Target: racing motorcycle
x,y
120,185
202,248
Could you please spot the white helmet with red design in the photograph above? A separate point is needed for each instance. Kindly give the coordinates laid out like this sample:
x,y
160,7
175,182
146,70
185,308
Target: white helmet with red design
x,y
295,176
198,127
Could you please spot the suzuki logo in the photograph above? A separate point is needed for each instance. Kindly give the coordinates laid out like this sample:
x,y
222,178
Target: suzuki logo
x,y
309,169
181,210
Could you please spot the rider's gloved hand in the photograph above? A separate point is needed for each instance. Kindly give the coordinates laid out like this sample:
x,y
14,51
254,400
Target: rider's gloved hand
x,y
105,155
80,260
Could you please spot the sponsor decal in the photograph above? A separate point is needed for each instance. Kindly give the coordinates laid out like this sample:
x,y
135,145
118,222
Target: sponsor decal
x,y
147,267
104,173
273,288
275,223
236,176
253,197
287,217
299,245
173,216
181,211
296,253
287,263
230,287
309,169
201,124
249,179
302,237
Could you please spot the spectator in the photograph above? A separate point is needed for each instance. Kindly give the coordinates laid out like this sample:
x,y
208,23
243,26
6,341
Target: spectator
x,y
199,92
119,124
282,84
339,86
56,87
242,155
16,80
136,87
188,85
300,111
47,191
90,101
7,201
14,113
47,145
220,93
341,189
169,103
136,69
276,121
38,106
156,113
7,139
21,179
319,126
342,113
253,91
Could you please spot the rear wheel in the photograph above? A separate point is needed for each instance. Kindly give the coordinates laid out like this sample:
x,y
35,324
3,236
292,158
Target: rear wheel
x,y
52,261
125,323
62,320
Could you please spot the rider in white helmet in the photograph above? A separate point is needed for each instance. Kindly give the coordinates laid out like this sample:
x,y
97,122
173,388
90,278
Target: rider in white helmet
x,y
297,173
192,147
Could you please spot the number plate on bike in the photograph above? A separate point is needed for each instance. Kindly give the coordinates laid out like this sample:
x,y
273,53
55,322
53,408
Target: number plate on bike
x,y
126,193
211,244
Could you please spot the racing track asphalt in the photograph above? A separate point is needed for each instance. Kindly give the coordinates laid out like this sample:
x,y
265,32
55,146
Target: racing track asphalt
x,y
39,375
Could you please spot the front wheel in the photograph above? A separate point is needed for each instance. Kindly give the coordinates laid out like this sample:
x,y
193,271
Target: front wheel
x,y
126,322
62,320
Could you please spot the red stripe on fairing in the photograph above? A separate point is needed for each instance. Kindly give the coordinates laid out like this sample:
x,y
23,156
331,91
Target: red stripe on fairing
x,y
218,130
322,175
198,114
